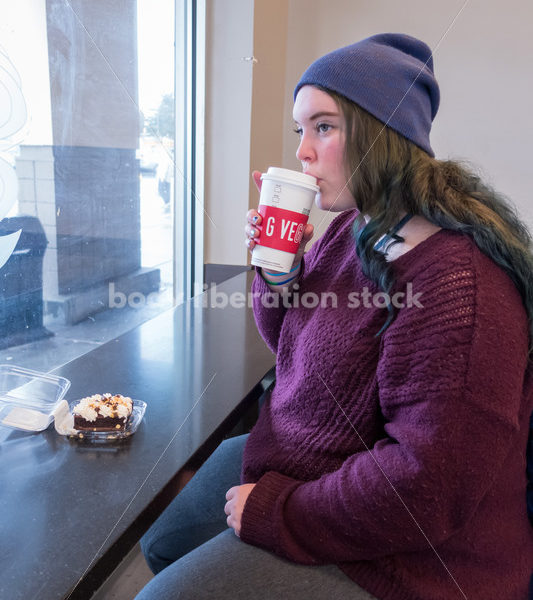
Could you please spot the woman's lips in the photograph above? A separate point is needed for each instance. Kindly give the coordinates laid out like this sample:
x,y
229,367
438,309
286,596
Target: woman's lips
x,y
312,175
318,180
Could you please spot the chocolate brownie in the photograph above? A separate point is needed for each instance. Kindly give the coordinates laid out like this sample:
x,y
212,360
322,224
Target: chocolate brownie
x,y
102,412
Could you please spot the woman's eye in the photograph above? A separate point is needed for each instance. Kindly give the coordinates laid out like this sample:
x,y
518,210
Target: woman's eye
x,y
320,127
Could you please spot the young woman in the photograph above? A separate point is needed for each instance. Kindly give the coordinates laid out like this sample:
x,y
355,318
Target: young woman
x,y
389,460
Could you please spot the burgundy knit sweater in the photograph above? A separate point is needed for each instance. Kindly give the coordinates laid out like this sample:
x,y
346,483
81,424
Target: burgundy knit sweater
x,y
399,458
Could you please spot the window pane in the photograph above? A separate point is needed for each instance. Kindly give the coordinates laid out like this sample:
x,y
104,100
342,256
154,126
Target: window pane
x,y
86,173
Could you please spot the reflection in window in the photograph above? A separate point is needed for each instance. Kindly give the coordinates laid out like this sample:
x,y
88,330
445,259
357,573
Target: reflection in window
x,y
94,172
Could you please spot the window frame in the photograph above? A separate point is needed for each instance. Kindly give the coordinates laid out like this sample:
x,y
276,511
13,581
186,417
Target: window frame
x,y
189,164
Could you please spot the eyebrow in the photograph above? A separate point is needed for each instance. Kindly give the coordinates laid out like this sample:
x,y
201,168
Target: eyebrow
x,y
321,114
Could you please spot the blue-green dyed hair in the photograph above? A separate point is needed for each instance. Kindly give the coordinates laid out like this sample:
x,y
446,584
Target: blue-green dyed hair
x,y
389,175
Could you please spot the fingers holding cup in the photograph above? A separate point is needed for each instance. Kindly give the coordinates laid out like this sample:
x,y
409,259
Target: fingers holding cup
x,y
252,228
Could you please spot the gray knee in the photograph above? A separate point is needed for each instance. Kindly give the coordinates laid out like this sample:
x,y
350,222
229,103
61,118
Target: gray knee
x,y
150,556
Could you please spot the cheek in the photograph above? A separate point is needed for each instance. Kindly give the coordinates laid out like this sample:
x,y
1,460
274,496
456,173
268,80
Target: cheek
x,y
334,156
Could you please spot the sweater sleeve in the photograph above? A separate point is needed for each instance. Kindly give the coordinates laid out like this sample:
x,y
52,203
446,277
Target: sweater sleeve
x,y
269,311
268,305
450,386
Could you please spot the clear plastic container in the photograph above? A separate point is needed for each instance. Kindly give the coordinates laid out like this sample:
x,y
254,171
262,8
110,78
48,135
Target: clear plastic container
x,y
28,398
138,409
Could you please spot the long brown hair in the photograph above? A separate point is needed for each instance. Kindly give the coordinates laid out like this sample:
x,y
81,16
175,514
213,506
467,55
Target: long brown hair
x,y
389,175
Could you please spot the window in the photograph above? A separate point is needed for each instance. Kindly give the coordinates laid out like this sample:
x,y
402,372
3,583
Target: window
x,y
104,238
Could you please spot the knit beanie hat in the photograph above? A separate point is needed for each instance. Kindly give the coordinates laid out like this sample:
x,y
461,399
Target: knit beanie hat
x,y
390,75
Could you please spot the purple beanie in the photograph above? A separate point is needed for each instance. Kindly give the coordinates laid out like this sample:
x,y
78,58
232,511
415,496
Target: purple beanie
x,y
390,75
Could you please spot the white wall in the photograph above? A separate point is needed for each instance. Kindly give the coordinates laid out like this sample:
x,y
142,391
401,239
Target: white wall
x,y
482,63
229,34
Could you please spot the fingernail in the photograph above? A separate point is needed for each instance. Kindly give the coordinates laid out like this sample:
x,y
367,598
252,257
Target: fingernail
x,y
254,219
254,232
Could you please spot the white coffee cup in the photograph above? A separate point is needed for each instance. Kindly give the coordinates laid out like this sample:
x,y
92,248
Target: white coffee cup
x,y
284,204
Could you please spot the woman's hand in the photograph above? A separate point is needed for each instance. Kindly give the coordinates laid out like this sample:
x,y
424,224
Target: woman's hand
x,y
236,499
253,232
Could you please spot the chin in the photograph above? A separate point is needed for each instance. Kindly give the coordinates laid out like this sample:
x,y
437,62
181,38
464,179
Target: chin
x,y
323,202
331,204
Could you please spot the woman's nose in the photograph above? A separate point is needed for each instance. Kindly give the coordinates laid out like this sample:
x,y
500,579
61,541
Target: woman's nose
x,y
305,152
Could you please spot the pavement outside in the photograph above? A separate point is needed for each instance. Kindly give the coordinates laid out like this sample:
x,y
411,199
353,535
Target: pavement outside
x,y
72,341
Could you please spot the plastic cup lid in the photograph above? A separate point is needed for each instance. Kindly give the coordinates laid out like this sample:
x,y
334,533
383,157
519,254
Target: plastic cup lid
x,y
289,176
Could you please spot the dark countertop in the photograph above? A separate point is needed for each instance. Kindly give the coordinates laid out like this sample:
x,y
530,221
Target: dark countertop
x,y
65,503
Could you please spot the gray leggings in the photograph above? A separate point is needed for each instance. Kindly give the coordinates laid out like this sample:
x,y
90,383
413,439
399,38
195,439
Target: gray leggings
x,y
196,556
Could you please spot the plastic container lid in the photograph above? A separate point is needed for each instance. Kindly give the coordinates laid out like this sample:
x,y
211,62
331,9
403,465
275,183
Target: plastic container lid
x,y
289,176
28,398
